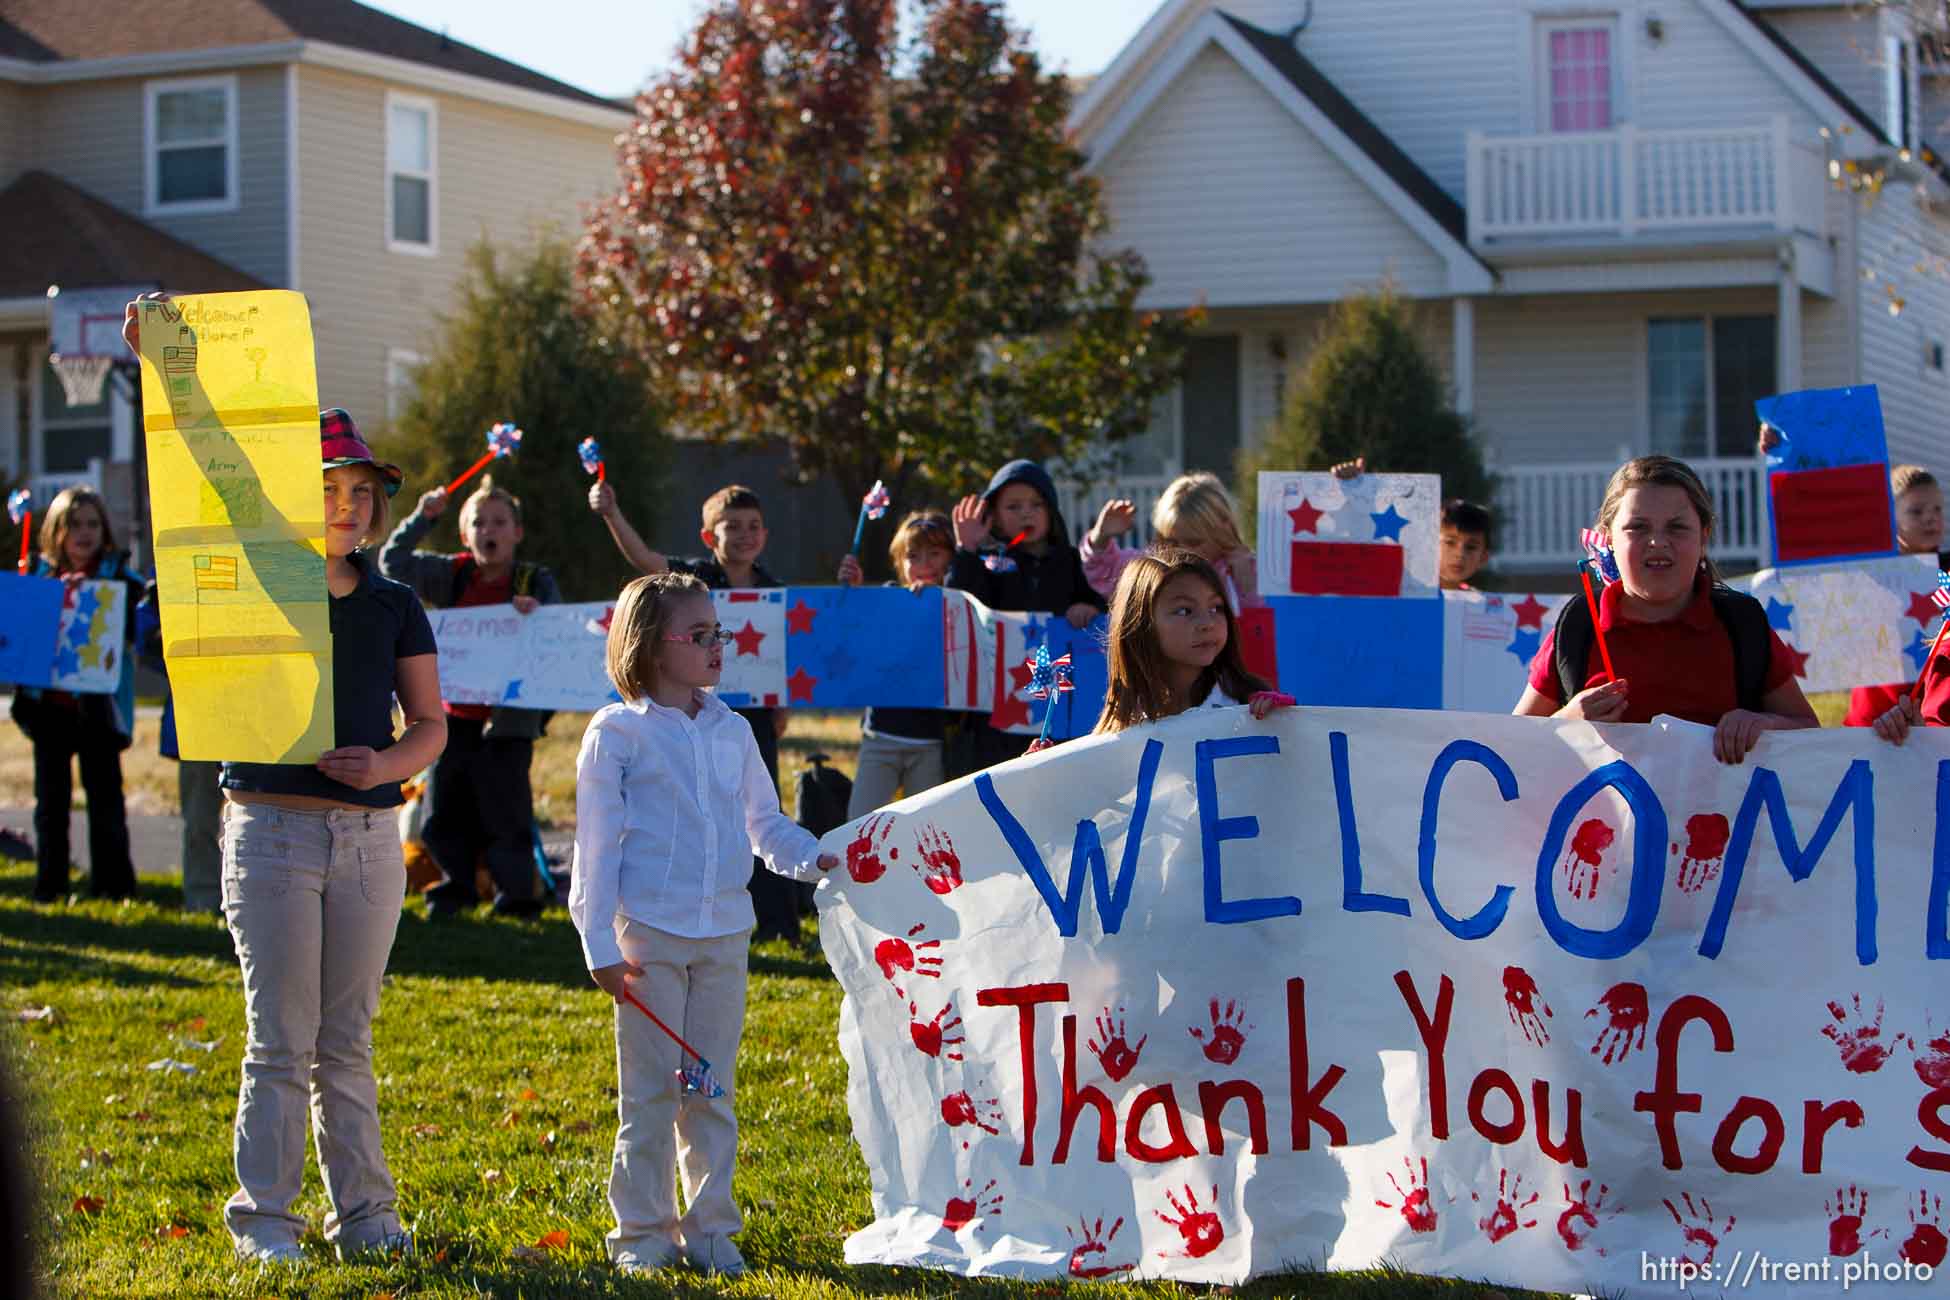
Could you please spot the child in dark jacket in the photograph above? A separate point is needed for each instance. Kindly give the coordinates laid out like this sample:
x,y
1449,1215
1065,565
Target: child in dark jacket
x,y
1012,552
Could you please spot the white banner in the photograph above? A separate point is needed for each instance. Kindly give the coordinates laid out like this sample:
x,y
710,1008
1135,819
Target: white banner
x,y
1561,1006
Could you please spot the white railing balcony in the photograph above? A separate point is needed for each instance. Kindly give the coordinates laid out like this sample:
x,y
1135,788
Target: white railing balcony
x,y
1542,509
1626,182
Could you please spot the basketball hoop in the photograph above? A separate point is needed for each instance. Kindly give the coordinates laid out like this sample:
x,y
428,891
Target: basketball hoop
x,y
81,377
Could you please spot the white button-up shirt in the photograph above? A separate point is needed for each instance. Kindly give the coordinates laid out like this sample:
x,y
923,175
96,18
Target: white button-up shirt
x,y
669,809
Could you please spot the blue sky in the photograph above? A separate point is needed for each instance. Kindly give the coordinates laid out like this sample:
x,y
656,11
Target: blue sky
x,y
610,46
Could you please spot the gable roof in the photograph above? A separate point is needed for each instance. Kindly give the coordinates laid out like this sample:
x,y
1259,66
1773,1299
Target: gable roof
x,y
60,234
57,31
1286,59
1807,67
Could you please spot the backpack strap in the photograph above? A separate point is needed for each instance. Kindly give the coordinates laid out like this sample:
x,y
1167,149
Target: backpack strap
x,y
464,567
525,574
1571,645
1745,620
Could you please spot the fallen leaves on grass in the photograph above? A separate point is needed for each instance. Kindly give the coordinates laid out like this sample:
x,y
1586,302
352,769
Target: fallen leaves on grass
x,y
88,1205
509,1120
548,1138
529,1094
36,1015
491,1176
548,1241
199,1046
171,1063
91,1157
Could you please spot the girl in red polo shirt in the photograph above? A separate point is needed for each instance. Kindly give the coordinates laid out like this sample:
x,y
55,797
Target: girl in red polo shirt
x,y
1676,634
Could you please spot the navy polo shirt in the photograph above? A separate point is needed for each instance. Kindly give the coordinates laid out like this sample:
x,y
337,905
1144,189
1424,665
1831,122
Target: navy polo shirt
x,y
373,628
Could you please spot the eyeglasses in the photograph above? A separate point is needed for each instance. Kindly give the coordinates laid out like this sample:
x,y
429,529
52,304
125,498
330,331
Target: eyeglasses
x,y
704,640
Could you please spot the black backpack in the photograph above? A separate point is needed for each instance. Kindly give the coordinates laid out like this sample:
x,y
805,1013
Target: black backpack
x,y
1744,618
821,795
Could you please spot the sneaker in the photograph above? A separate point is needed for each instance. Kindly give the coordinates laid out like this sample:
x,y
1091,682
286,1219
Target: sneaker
x,y
284,1252
642,1263
715,1254
397,1242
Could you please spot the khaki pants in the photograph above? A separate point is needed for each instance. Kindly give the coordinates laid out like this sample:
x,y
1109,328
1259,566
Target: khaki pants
x,y
697,986
889,765
313,900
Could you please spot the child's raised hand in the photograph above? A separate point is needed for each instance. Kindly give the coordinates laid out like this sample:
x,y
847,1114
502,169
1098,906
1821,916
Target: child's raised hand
x,y
1770,438
353,765
525,604
1351,468
1604,703
1893,726
613,979
850,574
131,315
602,498
1114,520
1080,614
1264,702
433,504
971,530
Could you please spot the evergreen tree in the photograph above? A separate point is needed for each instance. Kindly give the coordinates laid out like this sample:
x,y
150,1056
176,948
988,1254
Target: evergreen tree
x,y
516,348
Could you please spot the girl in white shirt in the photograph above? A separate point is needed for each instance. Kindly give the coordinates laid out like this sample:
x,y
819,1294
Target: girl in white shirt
x,y
1174,645
672,799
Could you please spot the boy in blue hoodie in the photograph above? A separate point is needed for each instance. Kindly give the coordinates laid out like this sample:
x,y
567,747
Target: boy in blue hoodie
x,y
1013,552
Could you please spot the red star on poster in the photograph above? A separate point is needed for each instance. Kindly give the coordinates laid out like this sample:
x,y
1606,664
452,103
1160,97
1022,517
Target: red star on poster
x,y
1799,660
1305,518
1530,612
1019,677
609,613
1922,608
799,618
748,639
1009,712
800,685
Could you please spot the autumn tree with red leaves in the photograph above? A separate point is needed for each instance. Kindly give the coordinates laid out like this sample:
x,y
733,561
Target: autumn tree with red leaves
x,y
878,249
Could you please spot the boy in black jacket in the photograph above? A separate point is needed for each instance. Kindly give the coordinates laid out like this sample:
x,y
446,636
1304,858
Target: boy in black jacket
x,y
1013,552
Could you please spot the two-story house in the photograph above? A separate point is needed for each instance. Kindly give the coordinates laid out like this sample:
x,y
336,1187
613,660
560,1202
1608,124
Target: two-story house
x,y
1620,220
202,145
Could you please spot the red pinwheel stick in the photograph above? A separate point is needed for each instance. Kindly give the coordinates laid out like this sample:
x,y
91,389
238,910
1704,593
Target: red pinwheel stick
x,y
630,998
1603,650
26,531
471,470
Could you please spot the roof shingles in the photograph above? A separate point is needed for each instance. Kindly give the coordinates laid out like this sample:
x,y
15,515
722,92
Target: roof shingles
x,y
59,234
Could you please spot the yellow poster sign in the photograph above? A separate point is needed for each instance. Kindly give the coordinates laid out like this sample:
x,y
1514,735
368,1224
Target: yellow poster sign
x,y
230,415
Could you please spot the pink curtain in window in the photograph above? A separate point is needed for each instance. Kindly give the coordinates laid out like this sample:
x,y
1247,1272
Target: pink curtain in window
x,y
1580,79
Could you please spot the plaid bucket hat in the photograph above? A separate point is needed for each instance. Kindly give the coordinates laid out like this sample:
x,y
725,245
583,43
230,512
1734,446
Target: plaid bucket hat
x,y
340,441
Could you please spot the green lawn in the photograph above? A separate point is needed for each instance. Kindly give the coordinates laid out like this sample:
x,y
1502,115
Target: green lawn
x,y
497,1096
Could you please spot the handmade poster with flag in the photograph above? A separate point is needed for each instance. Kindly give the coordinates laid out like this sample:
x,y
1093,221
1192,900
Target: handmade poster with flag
x,y
755,661
30,620
844,645
1854,623
1488,641
1828,480
1375,535
89,647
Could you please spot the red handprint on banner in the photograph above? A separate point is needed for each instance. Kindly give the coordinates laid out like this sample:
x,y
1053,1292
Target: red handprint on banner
x,y
1115,1053
1227,1037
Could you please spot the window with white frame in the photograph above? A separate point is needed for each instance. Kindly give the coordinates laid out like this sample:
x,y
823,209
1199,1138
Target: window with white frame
x,y
1703,376
1577,75
412,140
402,380
190,129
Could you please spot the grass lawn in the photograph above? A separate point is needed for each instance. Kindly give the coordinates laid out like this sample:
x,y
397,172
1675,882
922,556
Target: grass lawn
x,y
497,1097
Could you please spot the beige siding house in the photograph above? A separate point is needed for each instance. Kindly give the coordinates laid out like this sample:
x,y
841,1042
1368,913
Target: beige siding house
x,y
229,144
1616,220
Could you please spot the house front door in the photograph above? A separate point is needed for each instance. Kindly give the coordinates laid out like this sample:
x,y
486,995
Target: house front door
x,y
1210,411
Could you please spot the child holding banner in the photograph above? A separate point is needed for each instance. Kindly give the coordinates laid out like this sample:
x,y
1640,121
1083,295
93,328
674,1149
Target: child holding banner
x,y
672,799
1684,643
1194,513
1174,645
313,879
77,545
734,533
480,801
900,749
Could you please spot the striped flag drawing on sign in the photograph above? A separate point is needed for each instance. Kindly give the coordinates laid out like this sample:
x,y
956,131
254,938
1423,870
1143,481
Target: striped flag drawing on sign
x,y
216,572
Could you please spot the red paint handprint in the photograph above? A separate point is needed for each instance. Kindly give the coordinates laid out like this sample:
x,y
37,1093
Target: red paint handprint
x,y
897,955
1089,1260
1626,1011
1115,1053
1522,1000
863,853
1926,1244
1580,1217
1706,846
1201,1229
1416,1207
1505,1217
1583,857
932,1036
1845,1215
939,868
964,1210
1698,1228
1933,1059
959,1108
1859,1040
1227,1037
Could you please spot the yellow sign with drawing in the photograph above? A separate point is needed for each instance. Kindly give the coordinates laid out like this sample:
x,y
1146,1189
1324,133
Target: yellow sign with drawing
x,y
230,415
